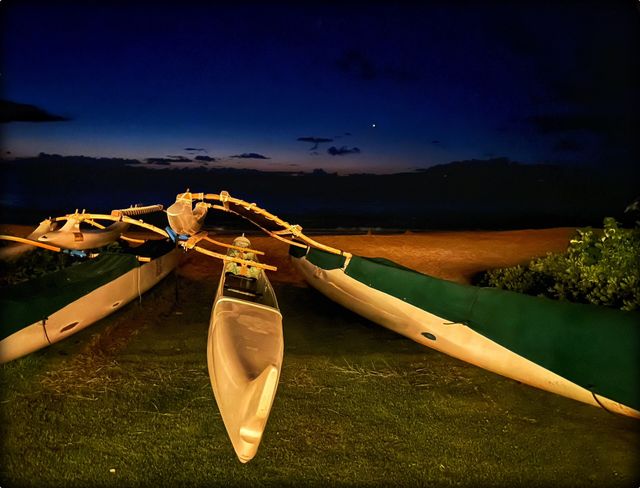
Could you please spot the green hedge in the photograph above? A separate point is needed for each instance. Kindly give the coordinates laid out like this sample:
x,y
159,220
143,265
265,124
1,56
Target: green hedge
x,y
601,267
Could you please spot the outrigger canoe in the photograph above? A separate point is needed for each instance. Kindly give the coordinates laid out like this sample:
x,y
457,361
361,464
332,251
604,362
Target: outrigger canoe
x,y
585,352
244,350
50,308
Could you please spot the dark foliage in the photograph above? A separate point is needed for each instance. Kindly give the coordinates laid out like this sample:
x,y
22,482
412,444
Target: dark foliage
x,y
601,267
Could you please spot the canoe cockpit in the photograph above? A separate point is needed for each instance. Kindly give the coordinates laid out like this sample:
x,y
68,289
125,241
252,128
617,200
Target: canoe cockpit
x,y
243,281
248,288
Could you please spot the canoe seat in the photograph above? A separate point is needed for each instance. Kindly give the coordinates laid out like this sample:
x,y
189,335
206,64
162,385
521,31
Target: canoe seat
x,y
239,286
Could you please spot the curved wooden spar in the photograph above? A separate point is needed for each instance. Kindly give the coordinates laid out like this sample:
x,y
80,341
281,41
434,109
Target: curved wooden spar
x,y
23,240
275,235
287,228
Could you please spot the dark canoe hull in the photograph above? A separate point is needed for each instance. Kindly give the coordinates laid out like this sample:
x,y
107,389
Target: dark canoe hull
x,y
49,309
583,352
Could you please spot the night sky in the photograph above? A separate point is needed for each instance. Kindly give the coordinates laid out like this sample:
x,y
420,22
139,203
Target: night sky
x,y
384,87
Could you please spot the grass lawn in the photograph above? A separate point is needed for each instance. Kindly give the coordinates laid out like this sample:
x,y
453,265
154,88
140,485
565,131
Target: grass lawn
x,y
128,402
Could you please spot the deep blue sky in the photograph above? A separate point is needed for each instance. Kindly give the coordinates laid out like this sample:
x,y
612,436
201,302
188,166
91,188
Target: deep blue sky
x,y
395,86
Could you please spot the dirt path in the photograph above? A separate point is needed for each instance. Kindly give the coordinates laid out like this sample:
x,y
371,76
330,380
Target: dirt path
x,y
455,255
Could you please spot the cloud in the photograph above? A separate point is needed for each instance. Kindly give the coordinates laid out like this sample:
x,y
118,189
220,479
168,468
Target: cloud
x,y
249,156
567,145
205,158
195,149
553,123
344,150
57,159
168,160
314,140
22,112
356,63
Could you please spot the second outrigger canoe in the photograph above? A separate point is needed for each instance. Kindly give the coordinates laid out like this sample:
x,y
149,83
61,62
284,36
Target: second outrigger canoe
x,y
48,309
585,352
244,351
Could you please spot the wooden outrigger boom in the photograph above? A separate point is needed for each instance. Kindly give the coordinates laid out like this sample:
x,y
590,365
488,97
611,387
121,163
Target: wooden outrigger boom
x,y
229,246
193,240
120,216
23,240
293,231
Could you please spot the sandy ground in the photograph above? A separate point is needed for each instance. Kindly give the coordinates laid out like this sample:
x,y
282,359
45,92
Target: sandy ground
x,y
455,255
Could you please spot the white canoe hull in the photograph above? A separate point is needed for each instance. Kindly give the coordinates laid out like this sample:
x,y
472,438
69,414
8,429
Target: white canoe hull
x,y
244,354
88,309
454,339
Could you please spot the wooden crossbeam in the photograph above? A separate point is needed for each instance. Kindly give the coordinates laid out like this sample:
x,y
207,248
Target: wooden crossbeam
x,y
23,240
132,239
194,239
224,257
230,246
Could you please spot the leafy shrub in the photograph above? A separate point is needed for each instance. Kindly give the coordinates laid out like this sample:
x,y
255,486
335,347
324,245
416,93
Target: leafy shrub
x,y
601,267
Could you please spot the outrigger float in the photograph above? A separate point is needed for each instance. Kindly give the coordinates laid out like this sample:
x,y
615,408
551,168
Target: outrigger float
x,y
584,352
